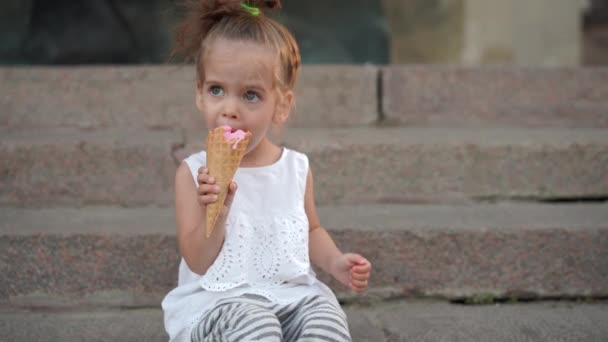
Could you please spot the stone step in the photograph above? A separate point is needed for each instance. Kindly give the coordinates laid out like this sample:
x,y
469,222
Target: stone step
x,y
163,97
405,165
328,96
71,167
127,257
495,96
404,320
98,325
136,167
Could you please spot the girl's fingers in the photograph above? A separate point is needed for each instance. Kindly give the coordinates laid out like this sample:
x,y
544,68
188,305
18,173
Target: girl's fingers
x,y
206,189
360,276
230,195
204,178
206,199
208,193
365,268
359,285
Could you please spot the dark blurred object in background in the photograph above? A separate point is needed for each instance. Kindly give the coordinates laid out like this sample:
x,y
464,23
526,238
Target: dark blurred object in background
x,y
595,24
140,31
329,32
84,31
338,31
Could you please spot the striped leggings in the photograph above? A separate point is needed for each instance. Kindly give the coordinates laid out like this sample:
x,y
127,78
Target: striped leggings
x,y
254,318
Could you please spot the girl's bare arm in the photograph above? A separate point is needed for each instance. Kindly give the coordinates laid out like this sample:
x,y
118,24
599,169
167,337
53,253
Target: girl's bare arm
x,y
322,249
198,251
351,269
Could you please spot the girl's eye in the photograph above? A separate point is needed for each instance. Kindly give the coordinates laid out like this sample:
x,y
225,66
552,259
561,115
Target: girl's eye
x,y
251,96
216,91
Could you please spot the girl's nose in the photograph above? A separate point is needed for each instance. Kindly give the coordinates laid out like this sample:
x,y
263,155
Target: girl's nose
x,y
230,109
230,115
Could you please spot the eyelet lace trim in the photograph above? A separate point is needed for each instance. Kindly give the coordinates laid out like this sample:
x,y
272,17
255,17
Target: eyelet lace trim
x,y
262,253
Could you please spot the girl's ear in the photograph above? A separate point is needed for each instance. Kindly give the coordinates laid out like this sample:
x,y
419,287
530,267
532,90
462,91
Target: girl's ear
x,y
283,108
199,95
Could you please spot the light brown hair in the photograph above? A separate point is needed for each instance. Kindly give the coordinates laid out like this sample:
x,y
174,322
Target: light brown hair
x,y
208,20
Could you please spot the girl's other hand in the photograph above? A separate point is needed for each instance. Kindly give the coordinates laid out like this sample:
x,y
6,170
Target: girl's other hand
x,y
352,270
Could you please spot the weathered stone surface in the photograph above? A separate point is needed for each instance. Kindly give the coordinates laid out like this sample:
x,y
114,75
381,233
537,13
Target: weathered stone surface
x,y
110,325
362,327
547,321
81,256
132,167
496,96
163,97
363,165
69,167
97,97
336,96
462,251
384,322
411,165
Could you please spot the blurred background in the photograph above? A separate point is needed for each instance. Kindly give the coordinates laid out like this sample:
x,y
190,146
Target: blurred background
x,y
457,144
470,32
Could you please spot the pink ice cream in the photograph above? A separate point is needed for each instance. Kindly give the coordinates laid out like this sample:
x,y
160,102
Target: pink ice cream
x,y
233,136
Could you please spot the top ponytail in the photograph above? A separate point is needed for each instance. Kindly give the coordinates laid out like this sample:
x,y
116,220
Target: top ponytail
x,y
207,20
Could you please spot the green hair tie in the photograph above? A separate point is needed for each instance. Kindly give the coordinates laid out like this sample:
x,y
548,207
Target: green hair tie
x,y
252,10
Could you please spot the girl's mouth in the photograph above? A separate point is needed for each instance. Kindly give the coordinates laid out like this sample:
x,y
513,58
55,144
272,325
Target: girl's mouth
x,y
234,129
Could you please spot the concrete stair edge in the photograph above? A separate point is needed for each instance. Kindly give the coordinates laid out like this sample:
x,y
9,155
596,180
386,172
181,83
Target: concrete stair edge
x,y
406,320
134,252
495,95
163,97
71,167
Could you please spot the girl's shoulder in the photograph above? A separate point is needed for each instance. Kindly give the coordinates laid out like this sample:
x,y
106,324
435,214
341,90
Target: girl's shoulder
x,y
289,159
198,159
195,161
293,155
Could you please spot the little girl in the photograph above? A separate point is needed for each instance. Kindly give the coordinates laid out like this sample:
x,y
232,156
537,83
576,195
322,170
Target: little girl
x,y
251,280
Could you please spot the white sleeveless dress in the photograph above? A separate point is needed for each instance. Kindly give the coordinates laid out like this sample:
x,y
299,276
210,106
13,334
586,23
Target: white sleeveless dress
x,y
265,251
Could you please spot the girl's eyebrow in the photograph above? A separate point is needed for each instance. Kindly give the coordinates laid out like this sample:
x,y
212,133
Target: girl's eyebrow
x,y
211,82
254,86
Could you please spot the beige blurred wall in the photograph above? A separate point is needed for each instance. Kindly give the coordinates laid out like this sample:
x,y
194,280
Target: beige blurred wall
x,y
522,32
425,31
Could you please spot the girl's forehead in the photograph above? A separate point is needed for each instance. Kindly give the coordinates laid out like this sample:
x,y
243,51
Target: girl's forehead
x,y
235,60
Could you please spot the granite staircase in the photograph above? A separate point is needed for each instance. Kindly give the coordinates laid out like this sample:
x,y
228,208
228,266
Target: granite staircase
x,y
479,194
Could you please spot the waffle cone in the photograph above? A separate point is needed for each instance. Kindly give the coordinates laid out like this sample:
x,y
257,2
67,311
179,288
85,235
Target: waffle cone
x,y
222,162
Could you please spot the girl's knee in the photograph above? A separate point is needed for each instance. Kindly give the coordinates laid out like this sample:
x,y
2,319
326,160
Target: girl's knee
x,y
327,323
261,325
326,330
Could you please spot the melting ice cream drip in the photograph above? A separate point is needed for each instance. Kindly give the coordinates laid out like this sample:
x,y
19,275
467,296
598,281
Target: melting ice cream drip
x,y
233,136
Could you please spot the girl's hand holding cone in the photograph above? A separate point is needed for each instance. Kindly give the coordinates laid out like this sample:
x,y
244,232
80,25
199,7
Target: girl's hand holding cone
x,y
208,192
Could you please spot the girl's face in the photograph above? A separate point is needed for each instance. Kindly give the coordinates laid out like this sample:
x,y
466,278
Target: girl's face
x,y
238,89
